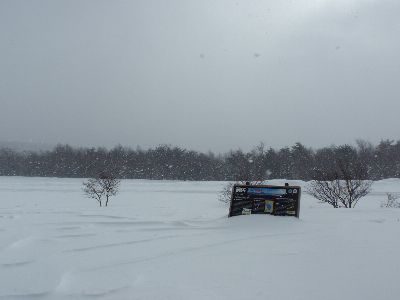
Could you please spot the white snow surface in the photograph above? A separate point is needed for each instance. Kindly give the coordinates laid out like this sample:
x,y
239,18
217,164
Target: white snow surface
x,y
173,240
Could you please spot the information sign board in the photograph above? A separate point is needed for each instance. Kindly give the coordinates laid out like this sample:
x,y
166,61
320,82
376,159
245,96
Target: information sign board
x,y
265,199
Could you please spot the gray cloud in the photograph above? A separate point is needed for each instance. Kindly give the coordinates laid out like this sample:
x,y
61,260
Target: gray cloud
x,y
201,74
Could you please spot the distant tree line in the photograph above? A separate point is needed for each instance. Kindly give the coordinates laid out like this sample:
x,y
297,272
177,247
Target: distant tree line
x,y
174,163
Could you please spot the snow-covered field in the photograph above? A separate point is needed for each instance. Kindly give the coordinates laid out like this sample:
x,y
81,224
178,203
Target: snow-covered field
x,y
172,240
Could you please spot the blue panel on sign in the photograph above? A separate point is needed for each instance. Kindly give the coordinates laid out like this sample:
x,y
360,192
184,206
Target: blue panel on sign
x,y
266,191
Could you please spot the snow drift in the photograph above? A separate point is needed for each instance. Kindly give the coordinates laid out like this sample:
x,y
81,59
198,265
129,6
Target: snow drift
x,y
172,240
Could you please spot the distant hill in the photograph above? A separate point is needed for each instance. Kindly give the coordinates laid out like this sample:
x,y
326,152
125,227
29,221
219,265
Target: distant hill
x,y
26,146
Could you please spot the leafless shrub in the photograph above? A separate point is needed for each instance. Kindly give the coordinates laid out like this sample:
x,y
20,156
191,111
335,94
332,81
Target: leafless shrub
x,y
104,185
339,193
392,201
93,189
344,183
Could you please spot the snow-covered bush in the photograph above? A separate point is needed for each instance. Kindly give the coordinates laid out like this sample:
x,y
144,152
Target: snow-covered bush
x,y
392,201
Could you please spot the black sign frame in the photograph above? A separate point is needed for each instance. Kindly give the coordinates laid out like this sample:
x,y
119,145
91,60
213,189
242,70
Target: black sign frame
x,y
265,199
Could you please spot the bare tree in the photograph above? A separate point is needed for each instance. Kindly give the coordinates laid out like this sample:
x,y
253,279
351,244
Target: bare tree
x,y
110,185
93,189
103,186
340,192
343,185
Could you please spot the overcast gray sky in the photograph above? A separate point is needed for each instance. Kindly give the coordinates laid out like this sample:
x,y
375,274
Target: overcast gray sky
x,y
207,75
